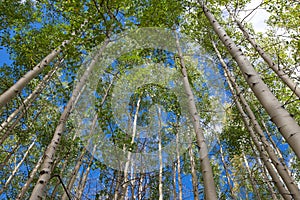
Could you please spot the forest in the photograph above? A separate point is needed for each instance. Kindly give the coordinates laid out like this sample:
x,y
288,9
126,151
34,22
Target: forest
x,y
149,99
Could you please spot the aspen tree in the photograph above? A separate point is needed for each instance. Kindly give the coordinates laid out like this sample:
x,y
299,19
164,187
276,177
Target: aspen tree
x,y
285,123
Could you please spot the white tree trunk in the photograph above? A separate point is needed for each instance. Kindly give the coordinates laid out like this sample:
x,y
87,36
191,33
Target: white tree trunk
x,y
17,168
281,169
283,120
267,58
26,103
206,169
45,173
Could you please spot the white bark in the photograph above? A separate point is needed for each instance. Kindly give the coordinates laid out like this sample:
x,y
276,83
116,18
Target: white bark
x,y
26,103
126,182
29,180
45,173
178,168
281,169
267,58
206,169
17,168
252,179
21,83
160,175
283,120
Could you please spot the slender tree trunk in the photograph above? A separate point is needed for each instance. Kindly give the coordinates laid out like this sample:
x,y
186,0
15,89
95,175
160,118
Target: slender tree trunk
x,y
140,187
280,186
282,169
160,175
74,174
80,181
26,103
17,168
66,159
178,168
252,180
264,173
8,131
29,180
283,120
267,58
174,181
84,179
116,194
277,150
207,173
8,156
21,83
80,160
290,183
45,173
272,172
134,125
193,170
233,196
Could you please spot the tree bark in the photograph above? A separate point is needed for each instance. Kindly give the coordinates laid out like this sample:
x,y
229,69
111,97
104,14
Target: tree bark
x,y
26,103
74,174
280,186
284,174
174,181
8,156
207,173
252,180
45,173
281,169
160,175
29,180
264,173
21,83
178,168
267,58
233,196
84,179
134,125
283,120
17,168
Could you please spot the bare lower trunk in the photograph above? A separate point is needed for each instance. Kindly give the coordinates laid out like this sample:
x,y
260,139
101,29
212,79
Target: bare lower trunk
x,y
283,120
264,174
276,180
134,125
194,174
193,170
74,174
174,180
160,175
